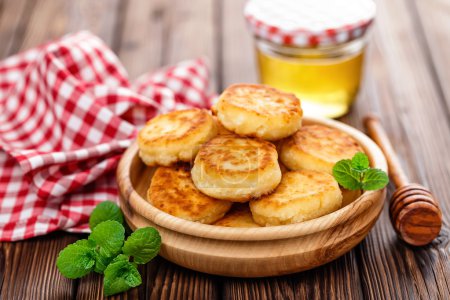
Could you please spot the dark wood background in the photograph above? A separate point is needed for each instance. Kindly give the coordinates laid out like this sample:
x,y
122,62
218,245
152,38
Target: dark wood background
x,y
406,83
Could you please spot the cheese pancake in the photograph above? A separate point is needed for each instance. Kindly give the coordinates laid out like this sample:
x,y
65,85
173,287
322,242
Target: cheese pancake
x,y
175,136
173,192
259,111
301,196
238,216
236,168
317,148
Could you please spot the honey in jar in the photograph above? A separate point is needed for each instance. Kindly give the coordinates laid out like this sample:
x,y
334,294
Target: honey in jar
x,y
318,56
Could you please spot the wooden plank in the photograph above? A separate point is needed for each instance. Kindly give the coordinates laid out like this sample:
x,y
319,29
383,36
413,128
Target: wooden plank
x,y
168,281
14,15
160,280
30,270
238,55
190,34
102,17
44,12
143,36
70,16
400,87
332,281
433,31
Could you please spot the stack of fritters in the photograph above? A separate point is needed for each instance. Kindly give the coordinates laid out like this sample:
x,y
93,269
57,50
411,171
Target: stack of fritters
x,y
235,152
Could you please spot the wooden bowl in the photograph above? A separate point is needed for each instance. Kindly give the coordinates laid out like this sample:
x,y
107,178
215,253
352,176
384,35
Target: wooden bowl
x,y
252,252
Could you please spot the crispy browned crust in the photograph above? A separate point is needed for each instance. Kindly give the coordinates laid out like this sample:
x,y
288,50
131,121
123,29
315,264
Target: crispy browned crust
x,y
189,122
243,95
259,111
300,196
238,216
326,143
173,192
234,155
176,136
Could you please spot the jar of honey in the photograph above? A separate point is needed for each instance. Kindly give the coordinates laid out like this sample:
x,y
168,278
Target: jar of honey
x,y
313,48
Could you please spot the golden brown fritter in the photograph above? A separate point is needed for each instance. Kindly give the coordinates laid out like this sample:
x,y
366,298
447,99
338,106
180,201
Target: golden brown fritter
x,y
317,148
259,111
173,192
236,168
175,136
301,196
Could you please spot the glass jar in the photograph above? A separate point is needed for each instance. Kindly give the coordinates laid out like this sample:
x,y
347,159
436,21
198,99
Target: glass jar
x,y
326,79
312,48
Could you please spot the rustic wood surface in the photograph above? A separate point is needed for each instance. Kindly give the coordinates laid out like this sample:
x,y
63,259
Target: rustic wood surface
x,y
406,83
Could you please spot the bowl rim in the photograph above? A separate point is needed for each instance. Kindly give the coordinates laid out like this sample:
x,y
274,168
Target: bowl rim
x,y
350,211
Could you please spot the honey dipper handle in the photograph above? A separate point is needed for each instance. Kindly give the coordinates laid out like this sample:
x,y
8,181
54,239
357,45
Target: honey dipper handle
x,y
377,133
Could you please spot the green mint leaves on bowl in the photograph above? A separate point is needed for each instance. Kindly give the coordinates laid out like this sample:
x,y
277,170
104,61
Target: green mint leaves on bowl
x,y
106,251
356,174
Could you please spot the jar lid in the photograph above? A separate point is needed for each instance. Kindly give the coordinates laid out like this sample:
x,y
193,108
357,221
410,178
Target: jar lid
x,y
309,23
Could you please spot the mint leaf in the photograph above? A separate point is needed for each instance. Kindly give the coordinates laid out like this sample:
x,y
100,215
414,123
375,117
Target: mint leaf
x,y
77,259
374,179
143,245
109,237
101,262
360,161
105,211
121,257
120,276
346,176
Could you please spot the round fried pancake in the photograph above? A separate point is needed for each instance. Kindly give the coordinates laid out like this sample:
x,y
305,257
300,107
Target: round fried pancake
x,y
236,168
317,148
175,136
301,196
259,111
173,192
238,216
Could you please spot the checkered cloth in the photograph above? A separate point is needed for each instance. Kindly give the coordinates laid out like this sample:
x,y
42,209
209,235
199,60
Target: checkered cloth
x,y
67,112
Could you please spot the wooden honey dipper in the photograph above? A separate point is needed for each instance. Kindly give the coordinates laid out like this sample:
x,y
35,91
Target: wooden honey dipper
x,y
414,212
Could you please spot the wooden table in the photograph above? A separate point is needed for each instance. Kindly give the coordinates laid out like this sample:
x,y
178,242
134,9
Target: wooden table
x,y
406,83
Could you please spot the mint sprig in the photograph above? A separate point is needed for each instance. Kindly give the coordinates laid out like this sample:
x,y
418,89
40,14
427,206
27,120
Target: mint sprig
x,y
107,252
356,174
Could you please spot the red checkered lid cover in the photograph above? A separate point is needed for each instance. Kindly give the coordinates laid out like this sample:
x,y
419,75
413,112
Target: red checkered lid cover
x,y
309,23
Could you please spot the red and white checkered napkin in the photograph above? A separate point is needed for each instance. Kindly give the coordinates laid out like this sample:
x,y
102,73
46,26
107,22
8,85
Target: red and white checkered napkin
x,y
67,112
